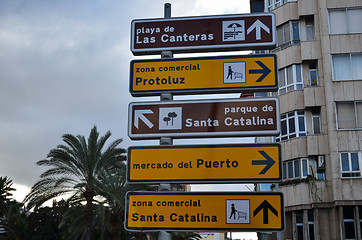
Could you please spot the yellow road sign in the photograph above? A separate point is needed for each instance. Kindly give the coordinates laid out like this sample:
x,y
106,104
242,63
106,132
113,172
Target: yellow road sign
x,y
205,163
204,75
187,211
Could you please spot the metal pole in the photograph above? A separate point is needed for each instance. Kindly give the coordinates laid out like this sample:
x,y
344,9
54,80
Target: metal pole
x,y
163,235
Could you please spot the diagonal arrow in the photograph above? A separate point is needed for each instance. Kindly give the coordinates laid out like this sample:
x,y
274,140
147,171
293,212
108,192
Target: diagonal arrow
x,y
264,71
258,25
265,206
139,115
269,162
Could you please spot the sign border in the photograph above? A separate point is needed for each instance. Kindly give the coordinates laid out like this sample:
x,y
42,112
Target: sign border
x,y
204,134
206,181
147,229
203,90
209,48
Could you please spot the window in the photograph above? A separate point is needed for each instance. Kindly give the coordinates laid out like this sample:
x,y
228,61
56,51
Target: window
x,y
313,74
276,3
303,217
292,125
348,220
316,121
360,219
310,216
288,34
349,115
309,28
290,79
350,164
344,21
299,168
347,66
321,167
299,224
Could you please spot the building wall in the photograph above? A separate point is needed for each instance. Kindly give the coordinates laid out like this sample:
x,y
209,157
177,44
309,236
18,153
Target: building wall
x,y
330,199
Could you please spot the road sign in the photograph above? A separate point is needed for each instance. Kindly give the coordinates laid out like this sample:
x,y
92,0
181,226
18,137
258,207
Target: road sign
x,y
204,211
203,75
204,118
230,163
205,33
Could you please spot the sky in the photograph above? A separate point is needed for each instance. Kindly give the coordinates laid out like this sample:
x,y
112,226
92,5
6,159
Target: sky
x,y
64,67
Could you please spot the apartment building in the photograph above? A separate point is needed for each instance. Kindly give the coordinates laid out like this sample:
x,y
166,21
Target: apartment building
x,y
319,50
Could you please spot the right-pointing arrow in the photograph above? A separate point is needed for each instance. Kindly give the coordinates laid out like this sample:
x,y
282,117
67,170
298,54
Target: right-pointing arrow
x,y
265,206
264,71
269,162
139,114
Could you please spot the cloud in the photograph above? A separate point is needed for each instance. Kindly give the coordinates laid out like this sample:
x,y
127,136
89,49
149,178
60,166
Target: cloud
x,y
64,67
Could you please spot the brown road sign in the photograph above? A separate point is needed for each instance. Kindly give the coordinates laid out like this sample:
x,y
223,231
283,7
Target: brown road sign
x,y
203,75
204,118
229,163
204,211
205,33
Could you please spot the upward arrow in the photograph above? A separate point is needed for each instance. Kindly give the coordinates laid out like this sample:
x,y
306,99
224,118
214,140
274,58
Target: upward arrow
x,y
264,71
258,25
265,206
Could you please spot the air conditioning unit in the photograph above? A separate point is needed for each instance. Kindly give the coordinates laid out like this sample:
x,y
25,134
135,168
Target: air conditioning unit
x,y
321,163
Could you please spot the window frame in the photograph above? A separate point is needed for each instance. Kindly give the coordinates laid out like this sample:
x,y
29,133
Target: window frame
x,y
350,66
297,116
299,224
272,4
310,222
311,82
349,220
288,34
346,19
357,118
350,173
290,170
285,83
316,116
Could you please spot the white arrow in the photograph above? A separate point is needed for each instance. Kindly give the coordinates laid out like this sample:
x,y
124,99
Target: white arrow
x,y
258,25
139,114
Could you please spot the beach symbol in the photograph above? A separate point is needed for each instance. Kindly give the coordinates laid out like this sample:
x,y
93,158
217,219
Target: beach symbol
x,y
233,30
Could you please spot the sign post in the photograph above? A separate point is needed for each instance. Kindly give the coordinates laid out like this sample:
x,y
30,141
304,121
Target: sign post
x,y
203,75
165,120
229,163
204,211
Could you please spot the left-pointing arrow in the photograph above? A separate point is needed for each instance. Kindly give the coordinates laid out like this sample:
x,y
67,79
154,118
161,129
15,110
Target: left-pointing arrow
x,y
139,115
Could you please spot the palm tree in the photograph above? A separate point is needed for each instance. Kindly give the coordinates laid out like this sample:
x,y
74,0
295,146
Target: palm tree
x,y
114,189
75,170
5,193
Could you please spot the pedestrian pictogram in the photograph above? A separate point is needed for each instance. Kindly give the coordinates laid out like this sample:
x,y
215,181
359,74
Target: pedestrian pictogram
x,y
237,211
234,72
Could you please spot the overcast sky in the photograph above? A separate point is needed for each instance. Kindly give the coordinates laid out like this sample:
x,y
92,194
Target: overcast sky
x,y
64,67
